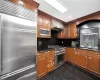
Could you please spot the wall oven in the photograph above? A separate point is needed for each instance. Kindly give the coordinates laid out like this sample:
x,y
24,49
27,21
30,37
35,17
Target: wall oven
x,y
45,32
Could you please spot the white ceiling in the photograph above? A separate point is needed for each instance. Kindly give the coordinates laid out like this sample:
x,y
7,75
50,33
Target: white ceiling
x,y
76,8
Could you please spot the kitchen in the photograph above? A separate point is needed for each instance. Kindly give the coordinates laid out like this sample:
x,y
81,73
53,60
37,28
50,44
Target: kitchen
x,y
42,41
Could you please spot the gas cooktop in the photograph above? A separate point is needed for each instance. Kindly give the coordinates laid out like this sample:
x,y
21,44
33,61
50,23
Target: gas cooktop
x,y
55,46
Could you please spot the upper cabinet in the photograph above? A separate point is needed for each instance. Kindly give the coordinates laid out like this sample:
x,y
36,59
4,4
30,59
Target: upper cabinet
x,y
63,33
69,31
43,26
44,22
40,20
47,23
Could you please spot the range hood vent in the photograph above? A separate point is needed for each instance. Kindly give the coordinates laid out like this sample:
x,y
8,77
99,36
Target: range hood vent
x,y
57,26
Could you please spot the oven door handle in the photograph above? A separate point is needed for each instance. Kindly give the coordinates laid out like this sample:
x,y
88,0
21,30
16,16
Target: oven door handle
x,y
59,54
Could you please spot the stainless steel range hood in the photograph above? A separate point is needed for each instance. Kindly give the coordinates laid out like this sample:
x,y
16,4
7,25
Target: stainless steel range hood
x,y
57,26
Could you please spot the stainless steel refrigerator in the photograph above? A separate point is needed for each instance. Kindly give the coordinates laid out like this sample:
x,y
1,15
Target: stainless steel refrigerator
x,y
18,43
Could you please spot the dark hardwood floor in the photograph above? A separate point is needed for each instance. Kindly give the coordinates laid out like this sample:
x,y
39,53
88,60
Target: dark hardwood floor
x,y
69,72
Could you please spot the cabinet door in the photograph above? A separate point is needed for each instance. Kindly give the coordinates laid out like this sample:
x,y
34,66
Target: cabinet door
x,y
38,30
63,33
60,34
40,20
50,61
69,56
68,31
47,23
73,30
93,63
80,58
41,65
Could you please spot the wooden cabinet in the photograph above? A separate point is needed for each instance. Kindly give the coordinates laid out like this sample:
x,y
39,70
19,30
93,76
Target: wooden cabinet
x,y
76,56
45,63
50,61
47,23
41,64
43,23
63,33
69,56
93,63
71,30
80,58
89,60
40,20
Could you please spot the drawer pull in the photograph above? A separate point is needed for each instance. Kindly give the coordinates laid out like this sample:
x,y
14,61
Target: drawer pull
x,y
89,57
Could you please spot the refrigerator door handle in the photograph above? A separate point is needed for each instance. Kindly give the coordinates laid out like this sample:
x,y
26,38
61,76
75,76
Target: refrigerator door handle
x,y
0,45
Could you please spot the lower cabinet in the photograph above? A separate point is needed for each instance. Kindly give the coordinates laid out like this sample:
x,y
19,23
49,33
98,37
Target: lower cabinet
x,y
93,63
41,64
45,63
50,61
89,60
80,58
69,56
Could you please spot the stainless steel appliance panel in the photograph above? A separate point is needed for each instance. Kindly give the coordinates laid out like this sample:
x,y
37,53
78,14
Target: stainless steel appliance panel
x,y
59,59
10,8
29,74
18,43
45,32
0,44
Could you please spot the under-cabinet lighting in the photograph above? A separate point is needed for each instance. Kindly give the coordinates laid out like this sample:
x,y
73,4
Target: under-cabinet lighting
x,y
56,5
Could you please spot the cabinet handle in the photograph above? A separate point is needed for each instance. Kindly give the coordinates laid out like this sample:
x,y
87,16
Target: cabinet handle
x,y
75,52
89,57
85,56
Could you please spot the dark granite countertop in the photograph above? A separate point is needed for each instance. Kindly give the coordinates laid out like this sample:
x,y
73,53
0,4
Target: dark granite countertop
x,y
45,50
86,49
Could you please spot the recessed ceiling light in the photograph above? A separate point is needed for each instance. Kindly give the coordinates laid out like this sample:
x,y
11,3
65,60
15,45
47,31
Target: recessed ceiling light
x,y
70,16
56,5
20,2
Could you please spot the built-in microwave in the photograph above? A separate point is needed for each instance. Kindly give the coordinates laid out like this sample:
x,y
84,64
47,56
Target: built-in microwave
x,y
45,32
